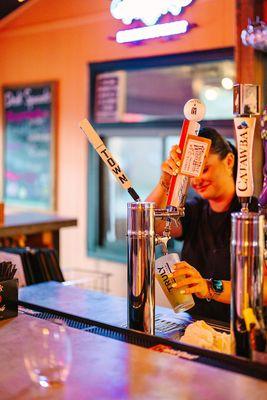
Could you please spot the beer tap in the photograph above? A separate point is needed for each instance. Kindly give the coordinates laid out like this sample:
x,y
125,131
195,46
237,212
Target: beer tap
x,y
141,216
247,238
141,243
141,236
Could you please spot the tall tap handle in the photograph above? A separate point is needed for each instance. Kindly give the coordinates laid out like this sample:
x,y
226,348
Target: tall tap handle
x,y
194,111
107,157
246,107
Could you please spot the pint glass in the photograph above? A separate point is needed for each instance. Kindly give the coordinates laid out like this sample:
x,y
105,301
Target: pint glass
x,y
178,301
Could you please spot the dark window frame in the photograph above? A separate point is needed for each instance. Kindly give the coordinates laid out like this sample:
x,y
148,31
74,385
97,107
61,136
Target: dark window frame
x,y
95,248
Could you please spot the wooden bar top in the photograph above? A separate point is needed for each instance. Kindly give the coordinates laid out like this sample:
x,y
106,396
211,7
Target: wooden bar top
x,y
26,223
103,368
103,309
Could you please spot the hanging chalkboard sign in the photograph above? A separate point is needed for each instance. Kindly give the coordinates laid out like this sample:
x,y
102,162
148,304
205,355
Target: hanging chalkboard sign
x,y
29,145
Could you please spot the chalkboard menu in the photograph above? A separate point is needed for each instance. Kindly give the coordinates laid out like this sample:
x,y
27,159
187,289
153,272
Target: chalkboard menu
x,y
29,146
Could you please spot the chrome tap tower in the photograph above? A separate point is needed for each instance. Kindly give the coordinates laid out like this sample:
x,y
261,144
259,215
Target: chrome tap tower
x,y
141,242
247,257
141,266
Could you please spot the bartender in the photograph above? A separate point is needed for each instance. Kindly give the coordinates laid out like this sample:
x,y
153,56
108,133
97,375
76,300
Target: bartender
x,y
206,228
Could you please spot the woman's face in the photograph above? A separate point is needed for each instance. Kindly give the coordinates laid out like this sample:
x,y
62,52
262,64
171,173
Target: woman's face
x,y
216,177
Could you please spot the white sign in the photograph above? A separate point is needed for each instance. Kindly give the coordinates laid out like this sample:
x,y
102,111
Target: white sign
x,y
148,11
194,154
151,32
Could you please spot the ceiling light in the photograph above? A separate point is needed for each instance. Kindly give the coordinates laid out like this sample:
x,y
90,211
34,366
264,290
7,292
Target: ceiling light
x,y
227,83
211,94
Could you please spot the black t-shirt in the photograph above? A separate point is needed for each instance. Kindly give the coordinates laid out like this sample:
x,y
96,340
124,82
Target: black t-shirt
x,y
206,247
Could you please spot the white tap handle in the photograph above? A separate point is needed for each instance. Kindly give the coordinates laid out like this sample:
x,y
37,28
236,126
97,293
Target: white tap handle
x,y
107,157
244,129
194,110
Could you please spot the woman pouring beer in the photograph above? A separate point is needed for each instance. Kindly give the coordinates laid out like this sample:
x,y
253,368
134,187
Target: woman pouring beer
x,y
206,227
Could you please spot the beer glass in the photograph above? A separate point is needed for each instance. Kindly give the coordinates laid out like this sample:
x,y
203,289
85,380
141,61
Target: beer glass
x,y
47,354
178,301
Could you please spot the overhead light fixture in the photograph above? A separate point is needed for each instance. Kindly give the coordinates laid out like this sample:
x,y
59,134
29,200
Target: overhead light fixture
x,y
227,83
211,93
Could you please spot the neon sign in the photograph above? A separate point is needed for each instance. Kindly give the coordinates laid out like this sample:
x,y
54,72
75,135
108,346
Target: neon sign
x,y
151,32
148,11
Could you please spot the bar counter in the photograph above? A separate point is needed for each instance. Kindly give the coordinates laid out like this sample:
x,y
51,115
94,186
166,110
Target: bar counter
x,y
107,315
103,368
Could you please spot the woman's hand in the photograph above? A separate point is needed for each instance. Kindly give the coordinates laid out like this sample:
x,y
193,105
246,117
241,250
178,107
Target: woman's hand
x,y
170,166
190,280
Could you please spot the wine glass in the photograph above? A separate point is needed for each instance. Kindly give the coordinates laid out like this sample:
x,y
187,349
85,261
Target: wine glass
x,y
47,353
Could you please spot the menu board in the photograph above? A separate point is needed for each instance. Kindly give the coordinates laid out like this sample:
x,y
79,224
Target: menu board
x,y
29,146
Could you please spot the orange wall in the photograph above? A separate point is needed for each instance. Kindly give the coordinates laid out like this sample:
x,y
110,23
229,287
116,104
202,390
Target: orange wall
x,y
56,40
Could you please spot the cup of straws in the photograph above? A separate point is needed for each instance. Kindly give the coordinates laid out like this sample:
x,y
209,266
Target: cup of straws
x,y
8,290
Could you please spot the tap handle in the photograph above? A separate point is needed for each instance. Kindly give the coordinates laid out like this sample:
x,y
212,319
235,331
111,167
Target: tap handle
x,y
244,128
108,158
246,107
194,111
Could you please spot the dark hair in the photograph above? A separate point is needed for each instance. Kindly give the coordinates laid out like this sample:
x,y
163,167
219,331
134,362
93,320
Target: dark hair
x,y
220,146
